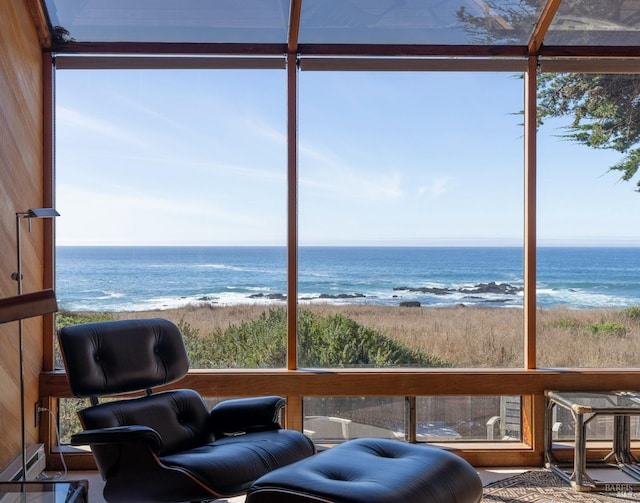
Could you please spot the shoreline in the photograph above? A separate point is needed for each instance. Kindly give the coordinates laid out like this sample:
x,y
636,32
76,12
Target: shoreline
x,y
475,337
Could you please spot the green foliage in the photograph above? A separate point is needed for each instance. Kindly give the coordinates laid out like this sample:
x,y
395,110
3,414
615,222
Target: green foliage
x,y
605,108
609,328
633,313
65,318
68,420
605,111
323,341
256,344
565,324
338,341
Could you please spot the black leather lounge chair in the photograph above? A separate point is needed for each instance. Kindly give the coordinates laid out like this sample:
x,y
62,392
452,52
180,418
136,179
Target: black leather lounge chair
x,y
167,446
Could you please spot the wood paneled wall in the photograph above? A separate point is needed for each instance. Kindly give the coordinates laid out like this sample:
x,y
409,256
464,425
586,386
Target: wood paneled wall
x,y
21,188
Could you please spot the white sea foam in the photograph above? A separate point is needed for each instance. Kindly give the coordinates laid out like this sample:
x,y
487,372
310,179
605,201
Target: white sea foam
x,y
105,295
223,267
157,278
582,298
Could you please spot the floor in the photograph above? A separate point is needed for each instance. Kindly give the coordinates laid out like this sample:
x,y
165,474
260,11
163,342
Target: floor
x,y
96,484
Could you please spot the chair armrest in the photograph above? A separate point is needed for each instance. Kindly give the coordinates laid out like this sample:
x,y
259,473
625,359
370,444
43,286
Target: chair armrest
x,y
243,415
119,435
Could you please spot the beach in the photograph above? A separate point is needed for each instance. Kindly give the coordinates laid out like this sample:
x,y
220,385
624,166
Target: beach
x,y
478,337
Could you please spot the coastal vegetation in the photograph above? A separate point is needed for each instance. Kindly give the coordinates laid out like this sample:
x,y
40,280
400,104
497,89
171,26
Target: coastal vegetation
x,y
372,335
325,340
379,336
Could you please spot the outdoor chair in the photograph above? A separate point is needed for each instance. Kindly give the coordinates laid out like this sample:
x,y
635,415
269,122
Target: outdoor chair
x,y
167,446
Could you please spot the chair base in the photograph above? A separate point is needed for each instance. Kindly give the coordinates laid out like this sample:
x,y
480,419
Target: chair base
x,y
372,471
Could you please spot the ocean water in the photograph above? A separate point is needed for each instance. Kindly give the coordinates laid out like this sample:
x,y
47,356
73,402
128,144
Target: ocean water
x,y
141,278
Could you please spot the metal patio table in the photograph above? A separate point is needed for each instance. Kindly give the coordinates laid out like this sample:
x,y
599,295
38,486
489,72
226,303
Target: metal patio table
x,y
584,407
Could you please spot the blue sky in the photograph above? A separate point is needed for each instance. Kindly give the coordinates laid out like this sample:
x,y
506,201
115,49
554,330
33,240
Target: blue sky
x,y
199,158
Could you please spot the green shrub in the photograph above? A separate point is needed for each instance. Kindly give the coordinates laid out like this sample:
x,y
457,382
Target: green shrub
x,y
323,341
65,318
564,324
338,341
609,328
633,313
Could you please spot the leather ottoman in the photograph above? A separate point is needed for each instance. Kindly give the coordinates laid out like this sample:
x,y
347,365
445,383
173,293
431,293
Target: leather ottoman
x,y
372,471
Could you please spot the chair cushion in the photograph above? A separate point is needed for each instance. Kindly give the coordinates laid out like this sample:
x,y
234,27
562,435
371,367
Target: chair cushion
x,y
231,464
180,417
372,471
111,357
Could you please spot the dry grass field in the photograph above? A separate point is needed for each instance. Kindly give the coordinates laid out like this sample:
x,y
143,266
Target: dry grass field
x,y
468,336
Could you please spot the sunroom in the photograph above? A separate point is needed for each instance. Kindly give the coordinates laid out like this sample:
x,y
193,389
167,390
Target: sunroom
x,y
334,137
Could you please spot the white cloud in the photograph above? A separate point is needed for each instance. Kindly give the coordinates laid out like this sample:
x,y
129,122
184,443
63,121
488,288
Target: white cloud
x,y
437,187
66,117
338,177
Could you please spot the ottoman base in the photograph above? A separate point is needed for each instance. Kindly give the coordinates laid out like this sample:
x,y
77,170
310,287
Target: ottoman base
x,y
372,471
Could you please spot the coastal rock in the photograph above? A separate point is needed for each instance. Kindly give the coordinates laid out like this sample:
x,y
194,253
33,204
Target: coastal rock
x,y
480,288
425,289
410,303
493,287
342,296
268,296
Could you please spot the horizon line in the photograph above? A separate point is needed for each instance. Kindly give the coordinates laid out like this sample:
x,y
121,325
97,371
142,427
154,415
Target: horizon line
x,y
568,244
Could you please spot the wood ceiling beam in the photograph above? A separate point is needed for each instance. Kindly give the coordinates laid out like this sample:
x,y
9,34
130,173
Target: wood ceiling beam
x,y
337,51
159,48
168,62
294,26
590,65
414,64
542,26
400,50
257,49
591,51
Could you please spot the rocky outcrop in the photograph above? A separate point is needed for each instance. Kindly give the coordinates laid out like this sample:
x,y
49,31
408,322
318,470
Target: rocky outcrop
x,y
342,296
480,288
268,296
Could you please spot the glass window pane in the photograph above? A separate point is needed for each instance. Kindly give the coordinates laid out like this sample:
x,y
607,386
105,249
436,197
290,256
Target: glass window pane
x,y
203,21
172,187
68,421
410,220
338,419
438,418
595,22
600,428
588,264
417,22
469,418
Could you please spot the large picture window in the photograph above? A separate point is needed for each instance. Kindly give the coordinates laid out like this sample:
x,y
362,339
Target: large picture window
x,y
410,225
173,189
588,257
